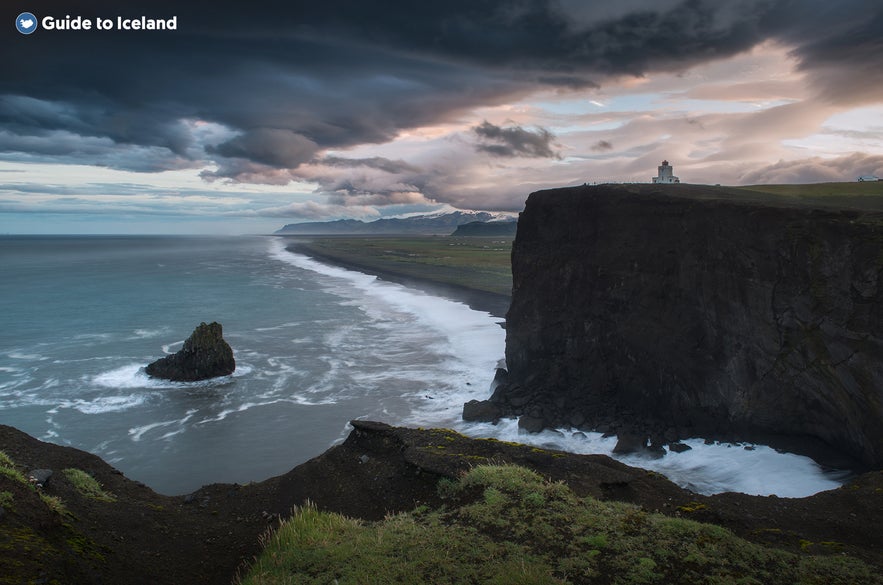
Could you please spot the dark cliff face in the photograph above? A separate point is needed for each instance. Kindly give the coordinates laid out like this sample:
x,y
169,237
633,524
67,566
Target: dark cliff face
x,y
698,315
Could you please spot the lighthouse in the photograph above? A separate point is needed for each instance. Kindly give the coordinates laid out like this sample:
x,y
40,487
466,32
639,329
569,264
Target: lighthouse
x,y
665,175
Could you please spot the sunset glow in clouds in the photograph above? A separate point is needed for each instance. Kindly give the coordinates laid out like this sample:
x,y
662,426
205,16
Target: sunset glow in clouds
x,y
234,123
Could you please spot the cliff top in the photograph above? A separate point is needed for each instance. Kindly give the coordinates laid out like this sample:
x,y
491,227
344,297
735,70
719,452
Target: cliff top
x,y
866,196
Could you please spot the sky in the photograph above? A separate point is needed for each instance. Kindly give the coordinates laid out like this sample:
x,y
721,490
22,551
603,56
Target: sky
x,y
251,115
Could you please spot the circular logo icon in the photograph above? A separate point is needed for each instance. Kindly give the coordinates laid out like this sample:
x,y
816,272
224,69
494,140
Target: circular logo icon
x,y
26,23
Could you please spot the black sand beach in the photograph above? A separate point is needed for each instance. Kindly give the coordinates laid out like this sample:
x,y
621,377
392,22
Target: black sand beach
x,y
435,282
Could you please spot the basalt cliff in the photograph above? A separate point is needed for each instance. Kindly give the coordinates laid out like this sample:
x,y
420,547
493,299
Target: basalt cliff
x,y
682,311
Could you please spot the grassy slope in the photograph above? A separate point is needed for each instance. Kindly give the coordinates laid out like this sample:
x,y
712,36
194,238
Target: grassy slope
x,y
505,524
865,196
481,264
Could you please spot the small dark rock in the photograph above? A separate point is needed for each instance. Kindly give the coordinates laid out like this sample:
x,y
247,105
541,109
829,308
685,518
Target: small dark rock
x,y
481,411
630,442
656,449
530,424
364,459
40,476
205,355
678,447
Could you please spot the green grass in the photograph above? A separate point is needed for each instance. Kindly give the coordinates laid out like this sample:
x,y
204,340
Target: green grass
x,y
481,264
7,469
87,486
7,500
505,524
864,196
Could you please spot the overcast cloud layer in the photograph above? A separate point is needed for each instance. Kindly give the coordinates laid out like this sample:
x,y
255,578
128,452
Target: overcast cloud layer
x,y
364,105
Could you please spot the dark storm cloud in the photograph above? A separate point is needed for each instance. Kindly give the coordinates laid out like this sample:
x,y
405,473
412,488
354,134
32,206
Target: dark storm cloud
x,y
291,79
602,146
270,146
845,55
515,141
375,162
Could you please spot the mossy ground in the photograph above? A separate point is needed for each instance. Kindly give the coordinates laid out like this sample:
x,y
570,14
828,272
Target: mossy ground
x,y
87,486
505,524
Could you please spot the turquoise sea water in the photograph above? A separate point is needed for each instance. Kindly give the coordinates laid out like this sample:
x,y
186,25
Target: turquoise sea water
x,y
316,346
83,316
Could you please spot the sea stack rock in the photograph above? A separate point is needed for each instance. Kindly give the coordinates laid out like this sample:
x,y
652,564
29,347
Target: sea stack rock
x,y
205,355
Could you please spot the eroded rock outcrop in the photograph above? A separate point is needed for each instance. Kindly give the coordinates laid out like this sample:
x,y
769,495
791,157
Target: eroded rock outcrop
x,y
205,355
674,308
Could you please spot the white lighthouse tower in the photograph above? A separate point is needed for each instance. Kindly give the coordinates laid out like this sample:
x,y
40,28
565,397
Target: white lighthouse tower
x,y
665,175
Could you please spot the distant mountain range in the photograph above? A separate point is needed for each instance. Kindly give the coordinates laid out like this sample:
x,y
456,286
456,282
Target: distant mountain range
x,y
434,224
486,228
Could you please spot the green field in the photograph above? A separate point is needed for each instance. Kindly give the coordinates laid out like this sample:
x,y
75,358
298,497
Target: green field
x,y
865,196
479,264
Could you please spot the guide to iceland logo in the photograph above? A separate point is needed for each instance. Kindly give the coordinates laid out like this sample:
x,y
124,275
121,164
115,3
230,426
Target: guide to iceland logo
x,y
26,23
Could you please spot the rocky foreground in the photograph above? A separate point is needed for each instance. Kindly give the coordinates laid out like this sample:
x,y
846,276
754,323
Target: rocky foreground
x,y
129,534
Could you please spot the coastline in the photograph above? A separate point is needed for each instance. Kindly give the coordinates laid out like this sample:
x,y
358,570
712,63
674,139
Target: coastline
x,y
479,300
497,305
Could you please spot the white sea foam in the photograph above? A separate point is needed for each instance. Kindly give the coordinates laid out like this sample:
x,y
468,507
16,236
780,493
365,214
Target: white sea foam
x,y
92,336
242,370
280,326
128,376
18,355
105,404
135,433
150,333
167,348
470,343
227,412
705,469
133,376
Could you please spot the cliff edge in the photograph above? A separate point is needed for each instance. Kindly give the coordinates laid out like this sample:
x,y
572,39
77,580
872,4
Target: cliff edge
x,y
123,532
681,312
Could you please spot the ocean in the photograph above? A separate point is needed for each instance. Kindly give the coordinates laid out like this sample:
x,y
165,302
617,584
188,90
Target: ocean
x,y
316,346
